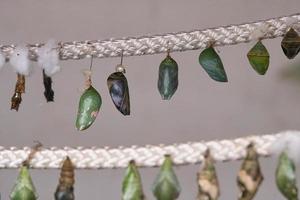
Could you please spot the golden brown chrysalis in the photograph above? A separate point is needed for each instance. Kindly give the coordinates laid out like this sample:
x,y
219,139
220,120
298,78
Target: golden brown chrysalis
x,y
65,190
19,89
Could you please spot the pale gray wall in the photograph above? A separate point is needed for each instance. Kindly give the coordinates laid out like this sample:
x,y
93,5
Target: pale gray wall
x,y
201,109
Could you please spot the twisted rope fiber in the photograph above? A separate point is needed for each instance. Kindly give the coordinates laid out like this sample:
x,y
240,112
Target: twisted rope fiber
x,y
181,41
147,156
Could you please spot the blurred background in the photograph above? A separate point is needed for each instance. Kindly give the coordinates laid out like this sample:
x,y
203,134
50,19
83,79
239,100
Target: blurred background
x,y
201,109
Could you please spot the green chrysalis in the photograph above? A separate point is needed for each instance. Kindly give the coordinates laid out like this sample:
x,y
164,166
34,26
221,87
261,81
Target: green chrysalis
x,y
286,177
166,185
290,44
208,184
212,64
24,188
259,58
167,78
89,106
132,185
250,176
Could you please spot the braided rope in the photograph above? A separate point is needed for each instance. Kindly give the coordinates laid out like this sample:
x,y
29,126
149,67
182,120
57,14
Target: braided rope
x,y
181,41
147,156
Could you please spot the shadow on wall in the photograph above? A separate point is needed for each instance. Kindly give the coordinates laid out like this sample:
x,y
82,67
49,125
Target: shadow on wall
x,y
291,72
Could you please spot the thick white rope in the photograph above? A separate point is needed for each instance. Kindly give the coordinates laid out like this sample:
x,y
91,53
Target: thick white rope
x,y
181,41
147,156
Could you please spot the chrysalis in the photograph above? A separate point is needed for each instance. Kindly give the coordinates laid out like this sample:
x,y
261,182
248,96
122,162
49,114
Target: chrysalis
x,y
65,190
250,176
132,188
166,185
89,105
212,64
24,188
286,177
48,93
259,58
19,89
167,78
208,184
290,44
118,90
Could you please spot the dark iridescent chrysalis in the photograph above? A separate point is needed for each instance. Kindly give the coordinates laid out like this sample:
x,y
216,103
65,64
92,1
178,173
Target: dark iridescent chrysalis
x,y
166,185
167,78
212,64
259,58
19,89
291,44
208,184
65,189
48,93
250,176
118,90
132,188
89,105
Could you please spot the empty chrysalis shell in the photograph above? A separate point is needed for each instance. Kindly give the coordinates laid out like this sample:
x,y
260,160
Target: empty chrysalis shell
x,y
89,106
290,44
166,185
259,58
48,93
19,89
24,188
208,184
286,177
167,78
65,190
119,92
132,188
212,64
250,176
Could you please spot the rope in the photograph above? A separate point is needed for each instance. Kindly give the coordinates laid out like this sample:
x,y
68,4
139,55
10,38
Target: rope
x,y
181,41
147,156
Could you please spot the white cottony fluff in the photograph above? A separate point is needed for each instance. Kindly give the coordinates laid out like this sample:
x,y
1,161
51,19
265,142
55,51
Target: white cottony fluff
x,y
2,60
48,58
289,142
259,32
19,60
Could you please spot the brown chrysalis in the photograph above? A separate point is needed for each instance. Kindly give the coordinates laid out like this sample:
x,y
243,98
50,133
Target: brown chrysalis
x,y
19,89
